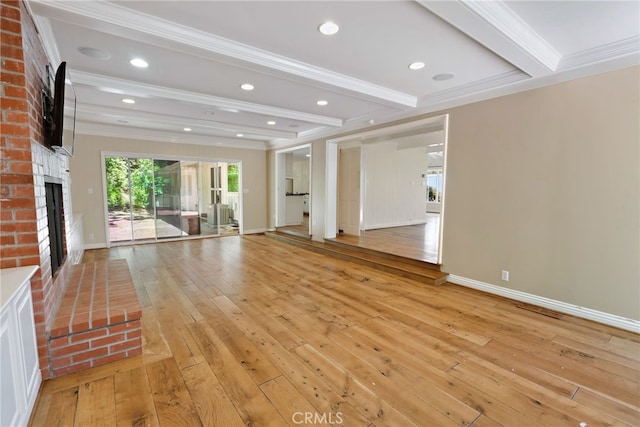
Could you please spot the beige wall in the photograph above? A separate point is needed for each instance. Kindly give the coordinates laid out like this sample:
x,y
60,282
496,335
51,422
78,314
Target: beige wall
x,y
544,184
86,173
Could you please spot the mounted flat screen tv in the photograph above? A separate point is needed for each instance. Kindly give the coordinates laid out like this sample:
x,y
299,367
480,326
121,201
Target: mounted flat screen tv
x,y
54,117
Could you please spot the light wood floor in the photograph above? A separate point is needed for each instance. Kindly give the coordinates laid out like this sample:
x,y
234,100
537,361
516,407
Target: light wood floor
x,y
418,241
251,331
301,230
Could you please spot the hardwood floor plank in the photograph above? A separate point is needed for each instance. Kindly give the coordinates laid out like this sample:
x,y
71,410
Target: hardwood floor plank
x,y
530,393
271,326
319,394
291,405
593,378
212,403
404,361
251,403
247,354
134,404
174,406
361,397
183,348
94,374
96,404
249,330
56,409
601,353
485,421
625,413
154,342
416,330
440,320
404,396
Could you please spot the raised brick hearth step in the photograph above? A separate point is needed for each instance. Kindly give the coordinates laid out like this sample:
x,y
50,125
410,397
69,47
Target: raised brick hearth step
x,y
98,320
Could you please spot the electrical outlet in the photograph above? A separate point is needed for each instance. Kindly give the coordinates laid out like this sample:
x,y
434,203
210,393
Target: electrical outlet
x,y
505,275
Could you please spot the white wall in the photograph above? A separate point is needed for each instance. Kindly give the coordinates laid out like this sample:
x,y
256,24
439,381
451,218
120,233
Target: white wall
x,y
300,175
394,192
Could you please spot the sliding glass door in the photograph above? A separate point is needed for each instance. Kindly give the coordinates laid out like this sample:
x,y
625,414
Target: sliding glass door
x,y
130,199
151,199
141,191
167,192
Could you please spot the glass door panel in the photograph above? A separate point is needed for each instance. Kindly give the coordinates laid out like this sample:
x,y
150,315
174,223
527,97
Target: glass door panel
x,y
189,204
167,198
150,199
118,199
141,173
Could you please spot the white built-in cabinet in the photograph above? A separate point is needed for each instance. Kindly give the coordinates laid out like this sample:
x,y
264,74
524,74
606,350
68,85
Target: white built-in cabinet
x,y
19,371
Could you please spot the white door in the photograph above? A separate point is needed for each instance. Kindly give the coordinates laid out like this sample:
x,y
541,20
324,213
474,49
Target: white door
x,y
349,191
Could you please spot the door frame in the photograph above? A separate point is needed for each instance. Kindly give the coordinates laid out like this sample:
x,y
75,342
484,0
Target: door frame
x,y
331,176
105,210
280,176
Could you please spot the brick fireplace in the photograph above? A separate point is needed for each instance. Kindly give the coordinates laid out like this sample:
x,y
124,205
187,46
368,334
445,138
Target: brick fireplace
x,y
25,164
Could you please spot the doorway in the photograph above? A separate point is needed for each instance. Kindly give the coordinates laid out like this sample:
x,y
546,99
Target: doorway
x,y
154,199
349,191
293,191
395,180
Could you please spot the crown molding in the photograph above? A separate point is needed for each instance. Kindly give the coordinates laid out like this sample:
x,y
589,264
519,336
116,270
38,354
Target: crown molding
x,y
112,131
607,52
47,38
177,122
162,29
498,28
145,90
477,86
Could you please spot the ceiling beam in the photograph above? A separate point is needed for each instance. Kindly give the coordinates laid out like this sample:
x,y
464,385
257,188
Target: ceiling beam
x,y
119,20
178,122
494,25
134,88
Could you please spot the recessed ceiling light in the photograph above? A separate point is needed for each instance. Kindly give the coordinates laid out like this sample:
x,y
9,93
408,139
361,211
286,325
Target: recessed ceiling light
x,y
187,129
328,28
139,62
246,86
271,122
442,77
322,103
128,101
239,135
416,65
92,52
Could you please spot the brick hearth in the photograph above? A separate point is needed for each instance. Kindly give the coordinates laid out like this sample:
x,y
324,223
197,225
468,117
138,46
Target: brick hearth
x,y
98,320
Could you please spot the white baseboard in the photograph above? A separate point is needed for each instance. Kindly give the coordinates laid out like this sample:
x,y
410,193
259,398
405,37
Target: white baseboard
x,y
94,246
255,231
559,306
396,224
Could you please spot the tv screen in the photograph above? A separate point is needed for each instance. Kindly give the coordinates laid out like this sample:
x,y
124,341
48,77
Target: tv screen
x,y
58,106
53,114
